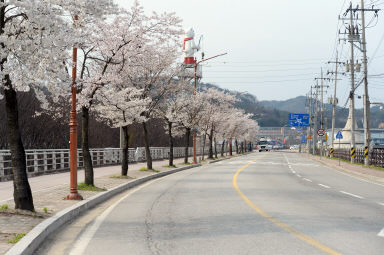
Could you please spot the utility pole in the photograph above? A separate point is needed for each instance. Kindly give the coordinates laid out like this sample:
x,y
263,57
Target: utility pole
x,y
316,108
367,133
321,107
310,118
334,99
354,36
352,93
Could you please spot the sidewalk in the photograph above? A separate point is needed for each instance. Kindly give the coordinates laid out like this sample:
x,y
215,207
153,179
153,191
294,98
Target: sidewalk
x,y
49,192
356,170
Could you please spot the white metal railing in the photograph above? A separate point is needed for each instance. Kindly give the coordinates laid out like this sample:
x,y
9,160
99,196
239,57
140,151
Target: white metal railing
x,y
42,161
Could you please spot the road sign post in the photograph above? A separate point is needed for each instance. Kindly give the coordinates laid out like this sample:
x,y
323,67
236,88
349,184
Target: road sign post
x,y
339,136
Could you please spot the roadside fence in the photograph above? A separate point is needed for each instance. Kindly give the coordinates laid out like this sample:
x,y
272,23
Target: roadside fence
x,y
57,160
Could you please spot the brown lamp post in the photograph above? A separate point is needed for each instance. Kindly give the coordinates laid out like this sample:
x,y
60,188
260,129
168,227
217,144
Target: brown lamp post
x,y
73,195
194,131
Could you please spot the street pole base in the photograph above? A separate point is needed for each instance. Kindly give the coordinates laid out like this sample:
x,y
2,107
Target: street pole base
x,y
74,196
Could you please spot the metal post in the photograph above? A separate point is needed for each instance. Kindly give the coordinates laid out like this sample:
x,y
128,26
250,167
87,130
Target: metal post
x,y
367,135
73,195
334,103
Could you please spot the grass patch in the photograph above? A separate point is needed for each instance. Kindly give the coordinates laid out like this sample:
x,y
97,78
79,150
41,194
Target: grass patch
x,y
4,207
144,169
83,186
45,209
173,166
187,164
117,176
17,238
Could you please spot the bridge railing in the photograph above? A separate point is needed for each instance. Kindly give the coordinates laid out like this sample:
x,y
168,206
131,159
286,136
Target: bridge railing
x,y
42,161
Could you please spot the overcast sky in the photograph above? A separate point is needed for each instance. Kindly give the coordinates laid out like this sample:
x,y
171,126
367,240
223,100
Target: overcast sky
x,y
275,48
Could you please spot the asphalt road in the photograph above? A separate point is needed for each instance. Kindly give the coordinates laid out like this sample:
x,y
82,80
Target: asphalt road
x,y
262,203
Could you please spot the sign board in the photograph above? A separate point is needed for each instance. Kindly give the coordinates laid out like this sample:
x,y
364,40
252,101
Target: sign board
x,y
326,137
320,132
309,137
298,120
303,140
339,135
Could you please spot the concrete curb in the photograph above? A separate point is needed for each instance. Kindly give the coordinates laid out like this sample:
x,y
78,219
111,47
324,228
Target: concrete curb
x,y
29,243
217,160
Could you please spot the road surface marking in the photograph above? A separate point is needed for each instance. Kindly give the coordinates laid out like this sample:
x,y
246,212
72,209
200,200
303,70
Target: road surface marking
x,y
324,186
278,223
354,177
381,204
83,241
308,180
298,175
381,233
350,194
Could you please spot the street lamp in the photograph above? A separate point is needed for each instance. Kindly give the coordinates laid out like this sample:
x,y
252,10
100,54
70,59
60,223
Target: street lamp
x,y
73,195
194,132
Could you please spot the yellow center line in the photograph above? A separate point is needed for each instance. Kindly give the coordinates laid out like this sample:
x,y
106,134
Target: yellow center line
x,y
278,223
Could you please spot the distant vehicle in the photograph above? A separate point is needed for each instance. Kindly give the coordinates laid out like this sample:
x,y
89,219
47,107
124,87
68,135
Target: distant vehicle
x,y
264,145
294,147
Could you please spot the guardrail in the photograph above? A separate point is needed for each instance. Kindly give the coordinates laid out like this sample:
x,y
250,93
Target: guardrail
x,y
57,160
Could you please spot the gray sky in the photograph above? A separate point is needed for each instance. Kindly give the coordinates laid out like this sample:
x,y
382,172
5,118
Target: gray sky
x,y
275,48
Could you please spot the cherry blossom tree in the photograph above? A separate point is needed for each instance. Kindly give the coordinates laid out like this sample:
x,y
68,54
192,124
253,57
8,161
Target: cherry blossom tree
x,y
217,103
120,106
169,108
35,38
154,68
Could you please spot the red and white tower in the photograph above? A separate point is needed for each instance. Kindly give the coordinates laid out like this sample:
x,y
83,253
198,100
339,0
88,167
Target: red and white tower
x,y
189,47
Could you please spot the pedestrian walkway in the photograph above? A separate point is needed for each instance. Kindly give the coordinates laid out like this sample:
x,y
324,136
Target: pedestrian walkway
x,y
371,174
49,192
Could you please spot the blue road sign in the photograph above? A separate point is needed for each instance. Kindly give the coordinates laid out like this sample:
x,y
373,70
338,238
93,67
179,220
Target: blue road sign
x,y
339,135
303,139
298,120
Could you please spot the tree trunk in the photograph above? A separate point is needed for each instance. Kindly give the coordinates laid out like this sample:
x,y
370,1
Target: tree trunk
x,y
125,159
204,139
214,140
170,143
147,150
187,135
210,137
237,146
230,147
87,159
21,190
222,148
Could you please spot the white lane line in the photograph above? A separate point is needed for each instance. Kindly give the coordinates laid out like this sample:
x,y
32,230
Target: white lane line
x,y
298,175
381,234
293,171
350,194
381,204
354,177
308,180
324,186
83,241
